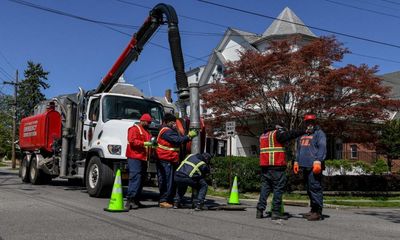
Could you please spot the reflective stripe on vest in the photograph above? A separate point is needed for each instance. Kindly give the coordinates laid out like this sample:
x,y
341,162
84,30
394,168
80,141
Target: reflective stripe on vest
x,y
196,167
140,130
168,148
165,147
271,149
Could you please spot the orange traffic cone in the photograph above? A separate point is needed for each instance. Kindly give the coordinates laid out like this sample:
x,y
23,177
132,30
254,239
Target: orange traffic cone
x,y
117,201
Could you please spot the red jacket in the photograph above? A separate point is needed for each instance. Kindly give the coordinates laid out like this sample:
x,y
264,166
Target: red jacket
x,y
272,152
137,135
165,150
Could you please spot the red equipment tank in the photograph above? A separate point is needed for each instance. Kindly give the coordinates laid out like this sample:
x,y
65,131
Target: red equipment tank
x,y
39,132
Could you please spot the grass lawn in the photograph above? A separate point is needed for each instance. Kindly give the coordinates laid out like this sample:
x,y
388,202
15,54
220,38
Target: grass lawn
x,y
2,164
379,201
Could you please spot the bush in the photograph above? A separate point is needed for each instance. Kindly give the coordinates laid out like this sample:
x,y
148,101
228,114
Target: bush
x,y
362,167
247,170
380,167
337,165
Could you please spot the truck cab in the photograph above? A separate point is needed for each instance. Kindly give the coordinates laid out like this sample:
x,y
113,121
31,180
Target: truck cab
x,y
107,118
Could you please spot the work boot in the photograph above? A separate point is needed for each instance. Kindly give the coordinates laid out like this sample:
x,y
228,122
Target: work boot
x,y
259,213
128,205
177,205
134,205
278,216
314,217
200,207
165,205
306,215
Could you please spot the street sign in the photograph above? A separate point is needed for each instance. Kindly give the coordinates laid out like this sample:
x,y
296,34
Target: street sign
x,y
230,128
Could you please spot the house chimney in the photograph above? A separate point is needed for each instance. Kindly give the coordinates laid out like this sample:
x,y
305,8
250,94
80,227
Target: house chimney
x,y
168,95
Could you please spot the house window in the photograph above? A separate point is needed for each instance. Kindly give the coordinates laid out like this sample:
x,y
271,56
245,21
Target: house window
x,y
353,152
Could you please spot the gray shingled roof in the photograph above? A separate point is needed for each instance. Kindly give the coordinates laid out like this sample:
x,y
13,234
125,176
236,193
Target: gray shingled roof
x,y
248,36
392,80
287,27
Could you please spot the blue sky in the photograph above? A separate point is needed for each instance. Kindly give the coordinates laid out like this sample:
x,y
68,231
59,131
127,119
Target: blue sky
x,y
79,53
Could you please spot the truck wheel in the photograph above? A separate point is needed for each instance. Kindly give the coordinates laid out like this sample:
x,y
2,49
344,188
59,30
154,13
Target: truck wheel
x,y
99,178
34,173
24,170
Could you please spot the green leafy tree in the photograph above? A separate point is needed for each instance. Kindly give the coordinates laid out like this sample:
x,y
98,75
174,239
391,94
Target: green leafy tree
x,y
389,141
6,118
29,91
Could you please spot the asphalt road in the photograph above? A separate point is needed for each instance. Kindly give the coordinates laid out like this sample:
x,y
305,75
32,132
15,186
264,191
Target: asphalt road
x,y
60,211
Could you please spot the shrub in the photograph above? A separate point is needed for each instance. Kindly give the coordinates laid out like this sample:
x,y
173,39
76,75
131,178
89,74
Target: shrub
x,y
362,167
247,170
338,164
380,167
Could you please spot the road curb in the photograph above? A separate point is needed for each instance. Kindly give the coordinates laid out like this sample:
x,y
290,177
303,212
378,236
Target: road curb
x,y
9,170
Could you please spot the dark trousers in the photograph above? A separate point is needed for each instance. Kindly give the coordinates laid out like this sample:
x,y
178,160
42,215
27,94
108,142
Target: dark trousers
x,y
198,186
313,183
137,169
272,180
165,177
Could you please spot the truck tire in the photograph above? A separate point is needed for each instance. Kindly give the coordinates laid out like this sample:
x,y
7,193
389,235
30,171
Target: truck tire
x,y
99,178
24,170
34,173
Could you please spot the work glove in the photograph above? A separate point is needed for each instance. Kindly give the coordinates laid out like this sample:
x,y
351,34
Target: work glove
x,y
296,167
192,133
316,168
147,144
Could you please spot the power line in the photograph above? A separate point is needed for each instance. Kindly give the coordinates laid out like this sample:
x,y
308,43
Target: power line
x,y
102,23
362,9
6,60
303,25
377,5
183,16
106,25
32,5
373,57
5,73
392,2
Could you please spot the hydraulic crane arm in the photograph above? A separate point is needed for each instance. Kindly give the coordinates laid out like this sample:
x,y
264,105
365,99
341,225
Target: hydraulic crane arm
x,y
139,39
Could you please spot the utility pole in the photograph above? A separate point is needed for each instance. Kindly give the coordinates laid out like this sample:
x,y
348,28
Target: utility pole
x,y
14,126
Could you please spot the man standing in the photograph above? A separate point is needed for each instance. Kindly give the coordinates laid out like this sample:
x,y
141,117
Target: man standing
x,y
311,152
273,166
192,172
167,151
137,153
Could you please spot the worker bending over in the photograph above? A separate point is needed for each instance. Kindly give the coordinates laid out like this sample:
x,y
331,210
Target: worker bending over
x,y
192,172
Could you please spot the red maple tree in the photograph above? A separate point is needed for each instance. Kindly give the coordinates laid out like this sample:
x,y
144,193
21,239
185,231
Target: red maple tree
x,y
288,80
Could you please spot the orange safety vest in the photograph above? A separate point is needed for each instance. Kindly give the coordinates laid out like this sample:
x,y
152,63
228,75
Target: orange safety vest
x,y
165,150
272,153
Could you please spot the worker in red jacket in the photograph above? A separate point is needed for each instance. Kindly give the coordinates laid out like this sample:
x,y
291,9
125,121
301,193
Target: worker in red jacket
x,y
167,152
137,152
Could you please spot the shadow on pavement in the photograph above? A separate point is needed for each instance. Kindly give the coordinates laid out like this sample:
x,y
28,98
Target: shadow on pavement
x,y
392,216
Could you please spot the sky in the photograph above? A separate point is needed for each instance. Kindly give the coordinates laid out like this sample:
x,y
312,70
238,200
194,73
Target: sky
x,y
79,53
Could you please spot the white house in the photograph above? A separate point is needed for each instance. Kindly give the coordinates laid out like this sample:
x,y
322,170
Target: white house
x,y
286,26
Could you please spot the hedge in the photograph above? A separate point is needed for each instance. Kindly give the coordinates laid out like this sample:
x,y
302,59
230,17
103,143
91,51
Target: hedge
x,y
248,172
245,168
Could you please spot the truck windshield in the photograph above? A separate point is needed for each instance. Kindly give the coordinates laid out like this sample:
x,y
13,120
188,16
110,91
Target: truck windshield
x,y
117,107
